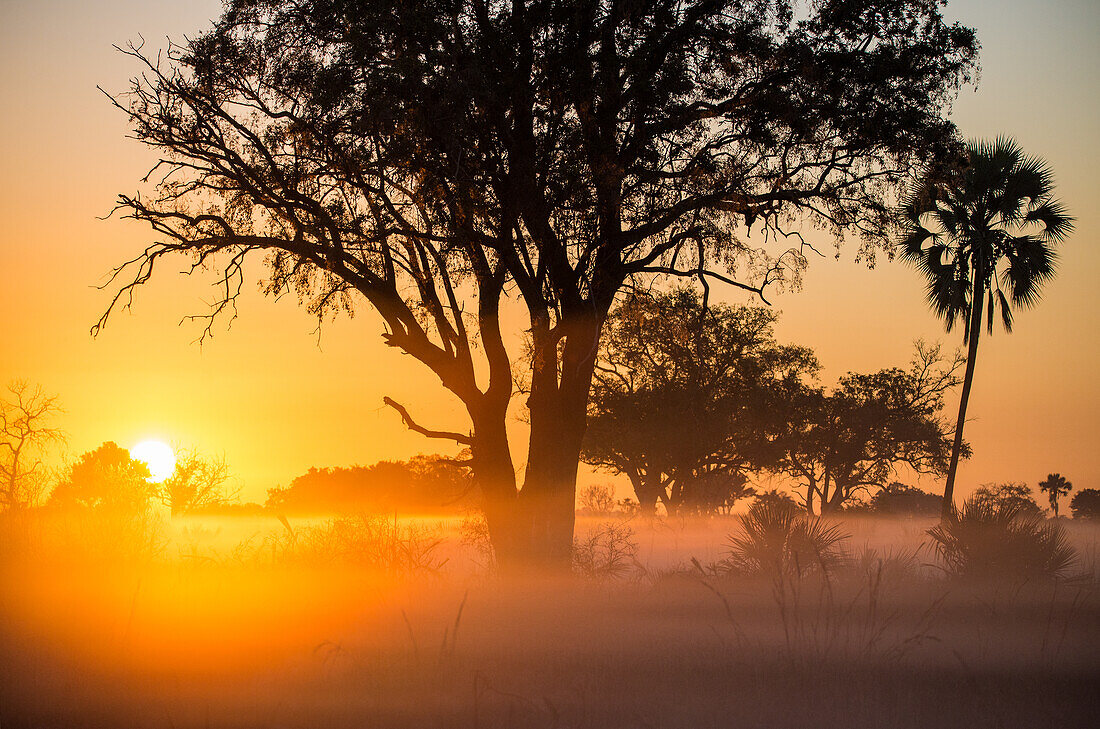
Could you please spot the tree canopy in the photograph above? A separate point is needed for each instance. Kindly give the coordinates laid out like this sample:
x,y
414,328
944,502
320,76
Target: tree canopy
x,y
1085,504
197,483
421,485
106,478
685,399
433,159
851,439
1013,494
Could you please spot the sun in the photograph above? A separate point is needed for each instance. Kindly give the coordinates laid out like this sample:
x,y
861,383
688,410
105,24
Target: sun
x,y
157,456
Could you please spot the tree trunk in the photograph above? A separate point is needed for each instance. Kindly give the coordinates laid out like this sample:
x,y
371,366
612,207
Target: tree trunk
x,y
496,478
548,498
558,408
975,328
645,491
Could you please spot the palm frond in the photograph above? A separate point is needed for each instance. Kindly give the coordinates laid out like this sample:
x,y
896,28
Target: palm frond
x,y
1030,265
963,228
1006,312
1056,222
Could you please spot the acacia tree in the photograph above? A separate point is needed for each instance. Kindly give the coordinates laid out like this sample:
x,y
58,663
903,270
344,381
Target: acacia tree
x,y
434,159
685,398
851,440
25,430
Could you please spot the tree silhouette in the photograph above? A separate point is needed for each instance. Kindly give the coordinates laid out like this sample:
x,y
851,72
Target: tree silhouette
x,y
898,499
25,431
596,500
851,440
196,483
435,160
1013,494
684,399
1085,504
421,485
977,228
106,478
1056,486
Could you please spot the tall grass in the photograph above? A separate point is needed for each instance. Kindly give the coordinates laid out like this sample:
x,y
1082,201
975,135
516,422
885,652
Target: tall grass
x,y
373,542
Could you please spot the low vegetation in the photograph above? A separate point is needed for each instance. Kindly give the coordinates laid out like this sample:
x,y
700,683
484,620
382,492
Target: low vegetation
x,y
987,539
778,538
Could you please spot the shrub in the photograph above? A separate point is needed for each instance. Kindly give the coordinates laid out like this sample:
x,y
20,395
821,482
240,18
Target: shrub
x,y
990,540
898,499
607,552
376,543
474,534
774,496
777,537
597,500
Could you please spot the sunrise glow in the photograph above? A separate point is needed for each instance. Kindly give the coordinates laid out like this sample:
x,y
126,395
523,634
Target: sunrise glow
x,y
494,364
158,456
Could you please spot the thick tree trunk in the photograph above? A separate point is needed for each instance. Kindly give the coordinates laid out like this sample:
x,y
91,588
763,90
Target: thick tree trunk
x,y
974,330
496,478
647,493
558,408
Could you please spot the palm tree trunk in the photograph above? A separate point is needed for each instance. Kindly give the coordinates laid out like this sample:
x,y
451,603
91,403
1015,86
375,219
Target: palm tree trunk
x,y
971,356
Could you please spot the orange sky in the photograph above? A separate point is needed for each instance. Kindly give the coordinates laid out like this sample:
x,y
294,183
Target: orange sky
x,y
274,403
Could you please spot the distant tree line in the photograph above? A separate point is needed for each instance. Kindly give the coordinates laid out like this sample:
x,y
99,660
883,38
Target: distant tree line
x,y
422,484
688,437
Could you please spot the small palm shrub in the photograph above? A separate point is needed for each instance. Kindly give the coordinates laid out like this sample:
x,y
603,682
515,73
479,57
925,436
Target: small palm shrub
x,y
991,540
777,537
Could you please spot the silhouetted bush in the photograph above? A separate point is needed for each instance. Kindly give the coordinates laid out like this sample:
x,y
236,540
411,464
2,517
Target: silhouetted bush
x,y
421,485
774,496
897,499
606,552
596,500
778,537
990,540
1086,504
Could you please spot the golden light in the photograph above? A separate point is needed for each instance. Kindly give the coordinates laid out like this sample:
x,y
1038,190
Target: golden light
x,y
158,456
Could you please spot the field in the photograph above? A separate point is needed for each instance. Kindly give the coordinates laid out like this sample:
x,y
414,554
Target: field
x,y
377,622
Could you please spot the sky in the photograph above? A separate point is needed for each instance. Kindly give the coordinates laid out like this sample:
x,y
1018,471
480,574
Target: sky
x,y
274,398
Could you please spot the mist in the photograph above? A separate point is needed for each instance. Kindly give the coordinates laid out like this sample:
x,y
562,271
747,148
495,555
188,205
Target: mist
x,y
372,621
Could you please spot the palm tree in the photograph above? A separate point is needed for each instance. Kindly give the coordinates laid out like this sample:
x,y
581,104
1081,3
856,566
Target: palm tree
x,y
1057,486
982,230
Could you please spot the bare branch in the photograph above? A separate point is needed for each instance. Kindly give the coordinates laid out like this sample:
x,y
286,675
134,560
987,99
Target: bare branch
x,y
412,425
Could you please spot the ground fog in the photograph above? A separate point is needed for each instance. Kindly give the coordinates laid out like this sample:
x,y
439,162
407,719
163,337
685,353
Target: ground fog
x,y
391,621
